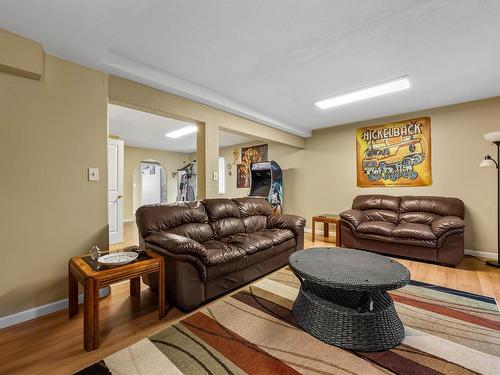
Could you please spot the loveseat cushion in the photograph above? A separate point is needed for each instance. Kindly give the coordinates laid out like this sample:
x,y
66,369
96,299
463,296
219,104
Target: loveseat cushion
x,y
219,252
376,227
382,215
376,202
418,217
443,206
414,230
446,223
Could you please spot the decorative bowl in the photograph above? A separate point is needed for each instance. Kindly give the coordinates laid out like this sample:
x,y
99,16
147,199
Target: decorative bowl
x,y
118,259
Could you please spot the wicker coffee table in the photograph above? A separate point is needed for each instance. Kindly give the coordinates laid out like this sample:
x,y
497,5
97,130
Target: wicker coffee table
x,y
343,297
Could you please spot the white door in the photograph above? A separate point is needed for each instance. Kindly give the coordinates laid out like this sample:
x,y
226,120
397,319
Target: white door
x,y
115,190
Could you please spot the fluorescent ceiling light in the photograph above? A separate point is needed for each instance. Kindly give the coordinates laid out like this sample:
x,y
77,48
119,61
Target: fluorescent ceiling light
x,y
182,132
369,92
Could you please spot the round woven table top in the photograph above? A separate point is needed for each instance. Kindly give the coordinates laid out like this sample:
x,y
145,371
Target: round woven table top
x,y
349,269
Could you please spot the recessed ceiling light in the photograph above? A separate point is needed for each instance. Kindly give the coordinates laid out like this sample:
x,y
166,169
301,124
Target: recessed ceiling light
x,y
182,132
398,84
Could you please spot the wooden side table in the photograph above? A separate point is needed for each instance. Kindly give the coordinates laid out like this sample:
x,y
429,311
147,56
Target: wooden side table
x,y
81,272
327,219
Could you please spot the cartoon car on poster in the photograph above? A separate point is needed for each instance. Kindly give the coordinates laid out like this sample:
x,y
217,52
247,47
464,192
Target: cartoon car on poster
x,y
406,150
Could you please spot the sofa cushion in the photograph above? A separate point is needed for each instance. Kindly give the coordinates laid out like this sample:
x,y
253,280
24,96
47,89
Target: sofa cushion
x,y
414,230
220,208
276,235
163,217
376,202
443,206
376,227
199,232
249,206
254,223
227,226
418,217
219,252
248,242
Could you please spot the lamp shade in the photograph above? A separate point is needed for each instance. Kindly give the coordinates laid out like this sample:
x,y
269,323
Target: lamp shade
x,y
487,162
492,137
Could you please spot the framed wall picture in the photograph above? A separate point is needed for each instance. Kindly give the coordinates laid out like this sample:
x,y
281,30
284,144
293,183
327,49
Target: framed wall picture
x,y
242,177
395,154
249,155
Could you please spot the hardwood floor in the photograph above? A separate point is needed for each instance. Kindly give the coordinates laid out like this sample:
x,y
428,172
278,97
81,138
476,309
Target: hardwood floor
x,y
53,344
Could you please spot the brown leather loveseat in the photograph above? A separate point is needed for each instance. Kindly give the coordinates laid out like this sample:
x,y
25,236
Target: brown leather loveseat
x,y
429,228
216,245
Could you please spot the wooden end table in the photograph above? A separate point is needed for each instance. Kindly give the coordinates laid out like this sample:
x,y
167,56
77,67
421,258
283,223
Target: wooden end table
x,y
327,219
81,272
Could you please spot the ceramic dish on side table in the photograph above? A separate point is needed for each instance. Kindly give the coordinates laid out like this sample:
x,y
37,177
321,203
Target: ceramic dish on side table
x,y
118,259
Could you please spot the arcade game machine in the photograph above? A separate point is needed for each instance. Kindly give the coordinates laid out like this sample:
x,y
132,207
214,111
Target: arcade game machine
x,y
267,182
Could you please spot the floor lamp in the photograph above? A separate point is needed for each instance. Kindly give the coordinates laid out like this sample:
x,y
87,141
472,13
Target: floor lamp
x,y
494,137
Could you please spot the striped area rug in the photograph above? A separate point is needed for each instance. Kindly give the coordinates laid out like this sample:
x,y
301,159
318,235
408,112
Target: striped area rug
x,y
254,332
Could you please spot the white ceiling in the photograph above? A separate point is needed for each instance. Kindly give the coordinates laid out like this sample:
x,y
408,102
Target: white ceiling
x,y
270,60
147,130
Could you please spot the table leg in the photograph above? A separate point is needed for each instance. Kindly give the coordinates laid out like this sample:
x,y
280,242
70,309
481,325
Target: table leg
x,y
325,230
162,308
91,315
338,240
72,293
313,229
135,286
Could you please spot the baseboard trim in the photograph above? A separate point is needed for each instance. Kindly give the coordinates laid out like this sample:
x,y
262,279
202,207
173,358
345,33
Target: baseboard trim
x,y
37,312
481,254
309,230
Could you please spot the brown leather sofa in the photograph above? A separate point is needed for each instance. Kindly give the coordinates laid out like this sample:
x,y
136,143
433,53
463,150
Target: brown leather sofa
x,y
216,245
428,228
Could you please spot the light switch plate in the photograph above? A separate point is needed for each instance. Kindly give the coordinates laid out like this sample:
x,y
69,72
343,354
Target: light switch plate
x,y
93,174
215,176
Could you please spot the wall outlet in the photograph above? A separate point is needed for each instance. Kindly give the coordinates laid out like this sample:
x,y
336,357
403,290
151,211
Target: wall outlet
x,y
93,174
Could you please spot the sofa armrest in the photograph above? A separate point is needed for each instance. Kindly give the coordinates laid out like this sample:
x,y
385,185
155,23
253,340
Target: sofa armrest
x,y
176,244
355,217
446,223
283,221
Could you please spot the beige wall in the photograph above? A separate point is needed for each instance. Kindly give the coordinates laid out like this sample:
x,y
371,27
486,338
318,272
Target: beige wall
x,y
325,180
209,119
170,161
51,131
285,156
24,57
